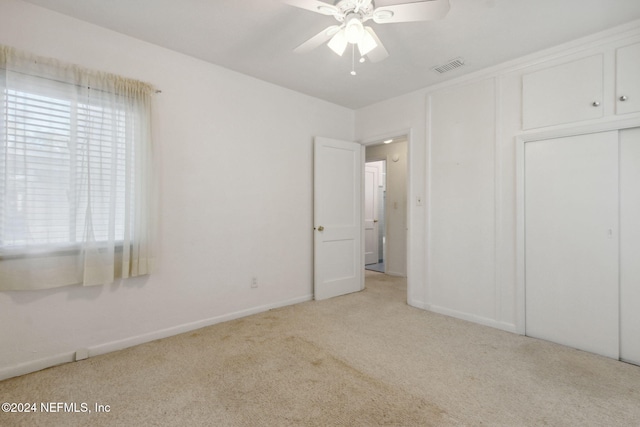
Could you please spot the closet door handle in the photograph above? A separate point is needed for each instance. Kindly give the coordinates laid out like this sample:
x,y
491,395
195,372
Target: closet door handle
x,y
596,103
623,98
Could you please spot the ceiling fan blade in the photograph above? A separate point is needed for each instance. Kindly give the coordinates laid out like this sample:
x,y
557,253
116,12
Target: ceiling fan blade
x,y
314,6
362,4
408,12
317,40
379,52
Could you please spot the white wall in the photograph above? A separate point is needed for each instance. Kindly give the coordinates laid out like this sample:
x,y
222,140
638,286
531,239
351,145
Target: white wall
x,y
461,200
234,161
462,259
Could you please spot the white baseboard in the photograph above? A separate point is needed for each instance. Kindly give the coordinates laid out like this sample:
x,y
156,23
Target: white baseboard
x,y
509,327
36,365
187,327
394,273
108,347
416,303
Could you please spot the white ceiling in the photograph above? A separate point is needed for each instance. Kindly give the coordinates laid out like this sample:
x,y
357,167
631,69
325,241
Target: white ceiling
x,y
256,37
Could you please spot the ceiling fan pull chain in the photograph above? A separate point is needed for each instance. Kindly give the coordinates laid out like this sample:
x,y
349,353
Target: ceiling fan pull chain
x,y
353,59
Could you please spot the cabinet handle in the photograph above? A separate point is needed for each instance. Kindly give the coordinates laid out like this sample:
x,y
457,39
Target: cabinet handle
x,y
623,98
596,103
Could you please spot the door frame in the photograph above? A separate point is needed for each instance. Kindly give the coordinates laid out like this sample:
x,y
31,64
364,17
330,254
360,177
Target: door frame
x,y
616,124
408,134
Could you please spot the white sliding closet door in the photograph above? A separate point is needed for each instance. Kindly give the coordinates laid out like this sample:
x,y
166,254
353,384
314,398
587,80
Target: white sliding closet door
x,y
571,241
630,245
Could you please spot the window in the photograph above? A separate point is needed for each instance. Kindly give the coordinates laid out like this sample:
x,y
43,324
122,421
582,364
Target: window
x,y
50,146
74,174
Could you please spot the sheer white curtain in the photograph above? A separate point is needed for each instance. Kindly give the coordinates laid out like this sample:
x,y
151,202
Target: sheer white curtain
x,y
75,175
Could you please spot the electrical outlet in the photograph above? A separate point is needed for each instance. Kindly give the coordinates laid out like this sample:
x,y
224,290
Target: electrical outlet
x,y
254,282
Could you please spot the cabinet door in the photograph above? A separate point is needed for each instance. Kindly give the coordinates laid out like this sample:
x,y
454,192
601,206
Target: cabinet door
x,y
571,241
628,79
563,94
630,245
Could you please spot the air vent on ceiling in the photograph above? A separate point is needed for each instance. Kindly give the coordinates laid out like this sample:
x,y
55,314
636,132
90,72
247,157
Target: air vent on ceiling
x,y
451,65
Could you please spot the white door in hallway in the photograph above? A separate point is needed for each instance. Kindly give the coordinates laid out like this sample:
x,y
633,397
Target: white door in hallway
x,y
571,241
338,255
371,186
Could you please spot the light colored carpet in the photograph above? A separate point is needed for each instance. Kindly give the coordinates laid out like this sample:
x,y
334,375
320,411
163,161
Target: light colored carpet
x,y
364,359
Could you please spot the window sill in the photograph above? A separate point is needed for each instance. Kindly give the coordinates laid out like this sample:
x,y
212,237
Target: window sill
x,y
46,251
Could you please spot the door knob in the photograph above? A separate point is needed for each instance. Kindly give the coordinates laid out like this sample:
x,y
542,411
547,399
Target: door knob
x,y
375,220
623,98
320,228
596,103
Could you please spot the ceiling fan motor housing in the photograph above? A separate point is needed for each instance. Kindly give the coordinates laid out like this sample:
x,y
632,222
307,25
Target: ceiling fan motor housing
x,y
348,7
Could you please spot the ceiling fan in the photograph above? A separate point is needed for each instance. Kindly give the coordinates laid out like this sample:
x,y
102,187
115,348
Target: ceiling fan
x,y
351,16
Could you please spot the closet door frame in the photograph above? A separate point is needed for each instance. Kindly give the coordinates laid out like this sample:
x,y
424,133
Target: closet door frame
x,y
629,245
520,141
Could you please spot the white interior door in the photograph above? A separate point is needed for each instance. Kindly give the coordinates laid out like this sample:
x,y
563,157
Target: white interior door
x,y
630,245
571,241
371,185
338,256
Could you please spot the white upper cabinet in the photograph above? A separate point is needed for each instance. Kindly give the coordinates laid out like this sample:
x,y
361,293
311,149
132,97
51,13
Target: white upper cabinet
x,y
565,93
583,89
628,79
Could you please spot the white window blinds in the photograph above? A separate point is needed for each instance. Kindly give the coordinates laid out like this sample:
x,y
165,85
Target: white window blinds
x,y
75,191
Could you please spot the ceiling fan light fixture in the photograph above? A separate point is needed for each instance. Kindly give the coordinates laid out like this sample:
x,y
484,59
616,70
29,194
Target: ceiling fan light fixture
x,y
353,29
367,43
338,43
383,14
353,14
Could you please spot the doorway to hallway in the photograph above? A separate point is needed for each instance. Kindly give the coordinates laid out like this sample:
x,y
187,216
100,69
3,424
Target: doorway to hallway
x,y
385,209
